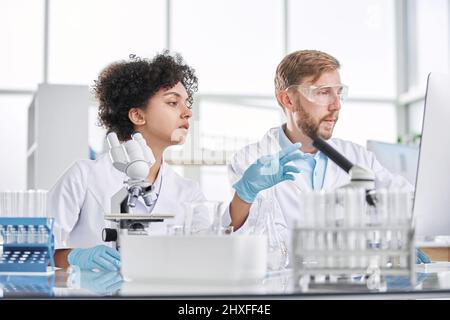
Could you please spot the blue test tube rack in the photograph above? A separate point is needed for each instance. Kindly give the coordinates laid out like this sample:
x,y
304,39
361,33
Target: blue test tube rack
x,y
26,244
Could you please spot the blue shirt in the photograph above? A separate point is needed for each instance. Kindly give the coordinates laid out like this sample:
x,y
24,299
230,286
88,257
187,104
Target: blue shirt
x,y
312,165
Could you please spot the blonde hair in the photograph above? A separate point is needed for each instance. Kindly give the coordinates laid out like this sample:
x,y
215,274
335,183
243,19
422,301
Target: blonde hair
x,y
301,64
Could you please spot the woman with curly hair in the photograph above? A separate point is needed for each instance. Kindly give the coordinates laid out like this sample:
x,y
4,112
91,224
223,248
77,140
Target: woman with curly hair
x,y
152,97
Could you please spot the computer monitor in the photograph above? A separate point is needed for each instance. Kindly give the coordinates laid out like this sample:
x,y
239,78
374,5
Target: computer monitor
x,y
432,193
397,158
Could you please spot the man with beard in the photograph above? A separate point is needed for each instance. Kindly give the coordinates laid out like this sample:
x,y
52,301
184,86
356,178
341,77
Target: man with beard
x,y
308,88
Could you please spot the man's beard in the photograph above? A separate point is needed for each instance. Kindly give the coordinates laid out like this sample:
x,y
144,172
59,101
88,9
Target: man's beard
x,y
309,126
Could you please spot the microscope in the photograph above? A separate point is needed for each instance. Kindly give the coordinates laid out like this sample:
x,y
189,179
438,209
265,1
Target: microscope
x,y
134,158
361,177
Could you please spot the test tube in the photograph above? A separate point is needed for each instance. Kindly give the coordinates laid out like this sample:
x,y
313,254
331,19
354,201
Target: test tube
x,y
2,239
42,234
21,234
351,221
393,221
309,211
405,209
395,207
330,205
31,234
217,210
349,201
11,234
382,207
362,246
188,216
320,206
340,247
343,223
174,230
340,207
382,222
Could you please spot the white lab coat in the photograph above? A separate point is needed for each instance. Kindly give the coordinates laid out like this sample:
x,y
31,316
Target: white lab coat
x,y
286,193
82,196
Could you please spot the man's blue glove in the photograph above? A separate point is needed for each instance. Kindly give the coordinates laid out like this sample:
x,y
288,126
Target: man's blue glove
x,y
421,257
99,257
266,172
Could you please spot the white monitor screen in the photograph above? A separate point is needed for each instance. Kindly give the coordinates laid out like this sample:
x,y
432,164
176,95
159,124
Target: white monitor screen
x,y
397,158
432,194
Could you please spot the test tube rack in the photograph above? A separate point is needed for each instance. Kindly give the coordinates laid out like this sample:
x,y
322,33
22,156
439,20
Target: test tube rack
x,y
26,244
344,251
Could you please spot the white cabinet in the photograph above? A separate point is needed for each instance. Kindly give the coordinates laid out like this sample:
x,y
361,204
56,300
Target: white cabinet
x,y
57,132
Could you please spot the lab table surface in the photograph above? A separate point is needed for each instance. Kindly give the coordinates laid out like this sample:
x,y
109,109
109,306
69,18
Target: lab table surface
x,y
432,281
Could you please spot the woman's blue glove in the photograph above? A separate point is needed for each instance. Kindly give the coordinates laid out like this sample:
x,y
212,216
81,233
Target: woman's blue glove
x,y
99,257
266,172
104,283
100,282
421,257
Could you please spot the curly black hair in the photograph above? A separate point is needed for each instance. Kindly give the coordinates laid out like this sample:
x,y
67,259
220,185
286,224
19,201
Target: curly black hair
x,y
129,84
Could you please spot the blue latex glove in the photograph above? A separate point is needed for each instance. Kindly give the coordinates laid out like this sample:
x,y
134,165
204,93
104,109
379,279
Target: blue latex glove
x,y
104,283
266,172
421,257
99,257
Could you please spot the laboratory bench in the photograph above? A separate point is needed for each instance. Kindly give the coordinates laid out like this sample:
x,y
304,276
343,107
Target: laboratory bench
x,y
432,282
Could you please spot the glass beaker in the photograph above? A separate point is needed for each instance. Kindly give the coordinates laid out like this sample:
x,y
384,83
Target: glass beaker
x,y
204,217
277,255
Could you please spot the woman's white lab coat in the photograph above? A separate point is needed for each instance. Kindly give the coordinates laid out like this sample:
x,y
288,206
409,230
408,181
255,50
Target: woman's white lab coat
x,y
286,193
82,196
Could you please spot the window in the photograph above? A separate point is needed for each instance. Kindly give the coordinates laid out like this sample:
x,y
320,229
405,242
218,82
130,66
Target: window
x,y
86,35
229,125
215,183
234,45
22,36
13,140
97,134
359,122
431,39
415,117
359,33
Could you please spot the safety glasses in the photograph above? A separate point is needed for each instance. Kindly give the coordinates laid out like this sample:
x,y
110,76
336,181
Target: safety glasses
x,y
323,95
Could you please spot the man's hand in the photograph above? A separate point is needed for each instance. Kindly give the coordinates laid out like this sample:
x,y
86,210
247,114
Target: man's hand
x,y
266,172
